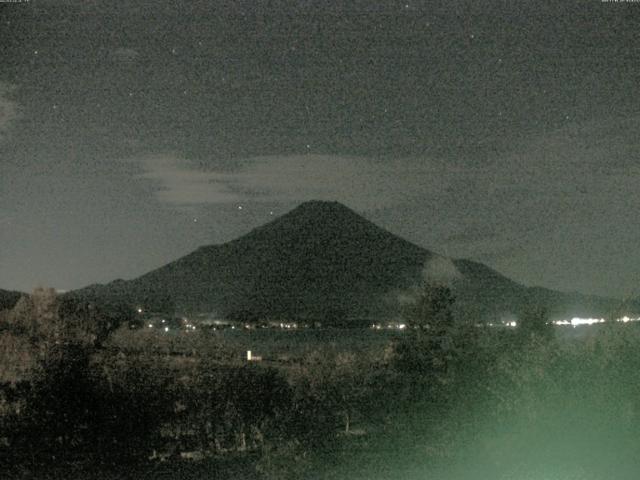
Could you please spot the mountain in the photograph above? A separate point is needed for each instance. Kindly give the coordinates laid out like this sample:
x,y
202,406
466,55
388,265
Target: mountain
x,y
8,299
323,261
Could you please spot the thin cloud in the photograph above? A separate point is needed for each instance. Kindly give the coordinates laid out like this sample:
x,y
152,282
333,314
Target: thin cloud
x,y
125,55
440,270
361,183
177,183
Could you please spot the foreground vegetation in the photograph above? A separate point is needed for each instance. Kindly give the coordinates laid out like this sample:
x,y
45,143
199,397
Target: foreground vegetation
x,y
83,396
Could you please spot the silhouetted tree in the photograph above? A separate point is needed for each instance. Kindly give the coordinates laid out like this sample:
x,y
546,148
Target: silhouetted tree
x,y
428,347
534,322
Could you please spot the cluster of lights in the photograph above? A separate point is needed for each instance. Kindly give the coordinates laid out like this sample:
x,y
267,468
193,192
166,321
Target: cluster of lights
x,y
288,326
577,321
389,326
574,322
164,326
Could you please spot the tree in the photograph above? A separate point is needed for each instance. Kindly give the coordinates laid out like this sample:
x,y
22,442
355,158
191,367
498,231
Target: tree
x,y
432,311
429,345
51,349
99,318
534,322
339,384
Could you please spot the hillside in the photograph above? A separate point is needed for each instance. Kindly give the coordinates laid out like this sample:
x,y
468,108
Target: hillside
x,y
323,261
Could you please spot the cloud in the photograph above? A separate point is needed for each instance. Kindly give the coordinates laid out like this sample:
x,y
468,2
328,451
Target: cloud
x,y
125,55
573,173
440,270
436,269
178,183
9,110
361,183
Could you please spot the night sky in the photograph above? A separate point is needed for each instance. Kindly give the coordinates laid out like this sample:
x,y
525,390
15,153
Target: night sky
x,y
133,132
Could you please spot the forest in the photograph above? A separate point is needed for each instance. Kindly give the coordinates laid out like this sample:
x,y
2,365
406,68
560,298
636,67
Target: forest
x,y
85,395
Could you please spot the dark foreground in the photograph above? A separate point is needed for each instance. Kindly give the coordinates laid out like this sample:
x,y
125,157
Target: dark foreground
x,y
445,400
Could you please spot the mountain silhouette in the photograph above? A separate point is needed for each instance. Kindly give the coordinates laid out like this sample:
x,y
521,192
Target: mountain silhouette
x,y
322,261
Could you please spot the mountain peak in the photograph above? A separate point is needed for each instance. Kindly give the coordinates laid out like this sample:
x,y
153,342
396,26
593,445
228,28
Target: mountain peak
x,y
318,219
321,204
327,211
324,206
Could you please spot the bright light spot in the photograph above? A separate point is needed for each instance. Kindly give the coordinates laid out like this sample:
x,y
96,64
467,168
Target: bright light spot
x,y
402,326
150,326
575,321
512,324
239,207
166,329
139,310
